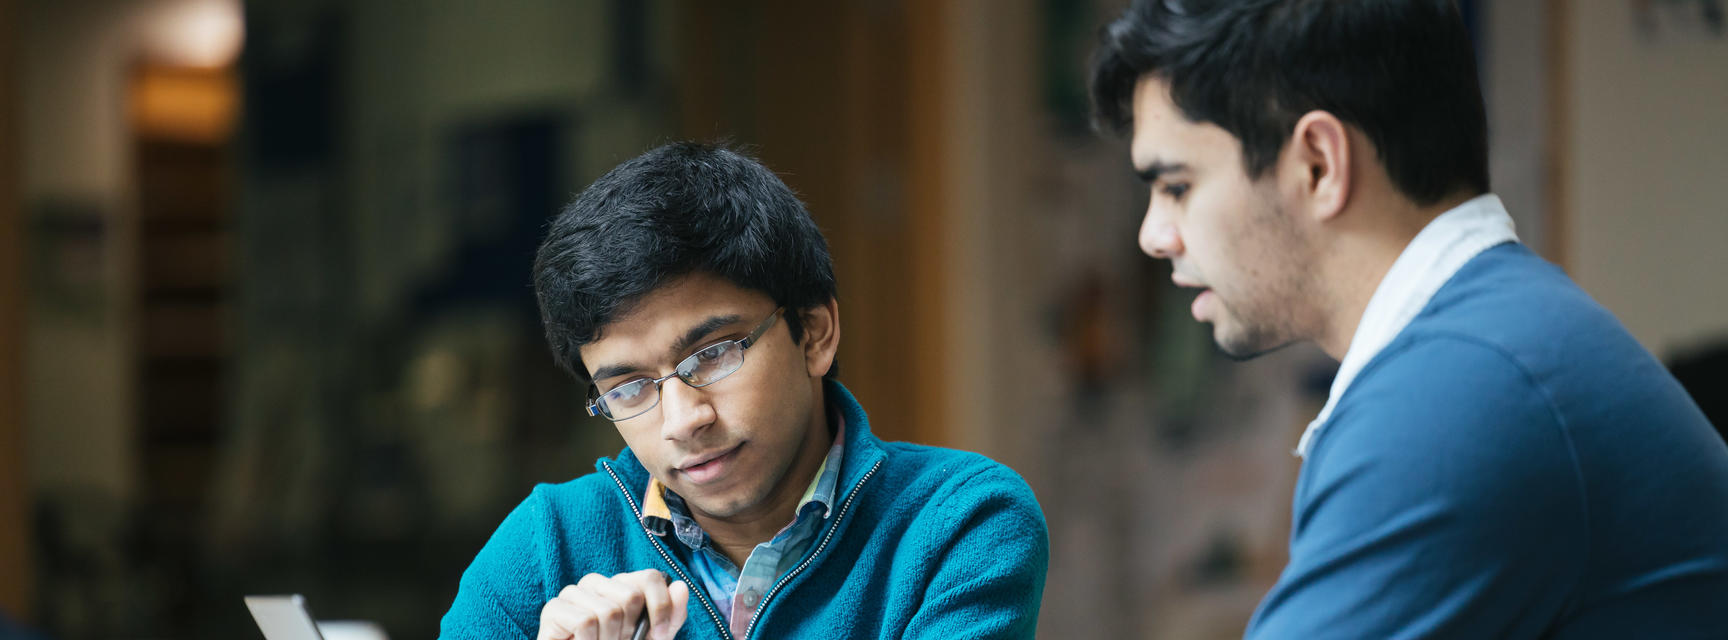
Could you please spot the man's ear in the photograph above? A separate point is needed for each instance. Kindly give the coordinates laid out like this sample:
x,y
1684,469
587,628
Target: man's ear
x,y
1318,162
821,336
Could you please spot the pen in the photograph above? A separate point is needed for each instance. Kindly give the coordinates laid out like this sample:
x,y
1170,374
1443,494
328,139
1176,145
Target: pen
x,y
641,628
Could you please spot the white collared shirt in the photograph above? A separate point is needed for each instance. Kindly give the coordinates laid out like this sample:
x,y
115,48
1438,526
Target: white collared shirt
x,y
1433,256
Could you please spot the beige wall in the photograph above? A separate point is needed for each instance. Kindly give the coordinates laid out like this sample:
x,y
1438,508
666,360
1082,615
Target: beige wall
x,y
1516,88
1647,184
73,67
989,137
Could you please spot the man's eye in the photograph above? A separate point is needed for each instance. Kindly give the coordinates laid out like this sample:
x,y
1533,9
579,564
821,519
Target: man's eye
x,y
1176,190
710,354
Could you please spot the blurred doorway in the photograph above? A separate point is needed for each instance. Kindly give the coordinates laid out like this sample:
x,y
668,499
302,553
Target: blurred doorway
x,y
182,121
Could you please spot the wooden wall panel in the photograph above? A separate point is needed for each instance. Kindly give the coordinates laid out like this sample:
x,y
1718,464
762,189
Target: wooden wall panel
x,y
842,99
15,572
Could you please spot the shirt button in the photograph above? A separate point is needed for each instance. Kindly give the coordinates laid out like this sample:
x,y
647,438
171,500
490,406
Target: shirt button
x,y
751,597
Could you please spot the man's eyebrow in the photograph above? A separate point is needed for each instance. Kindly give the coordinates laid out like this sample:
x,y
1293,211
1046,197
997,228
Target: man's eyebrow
x,y
614,370
1149,173
700,331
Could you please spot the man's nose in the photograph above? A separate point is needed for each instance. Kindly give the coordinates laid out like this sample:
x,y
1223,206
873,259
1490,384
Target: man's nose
x,y
1158,237
684,410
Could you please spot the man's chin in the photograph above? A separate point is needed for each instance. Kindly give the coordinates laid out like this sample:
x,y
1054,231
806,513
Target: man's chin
x,y
1242,346
722,506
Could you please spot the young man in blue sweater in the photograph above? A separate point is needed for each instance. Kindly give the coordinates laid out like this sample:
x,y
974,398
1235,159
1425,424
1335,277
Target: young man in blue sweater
x,y
691,293
1498,457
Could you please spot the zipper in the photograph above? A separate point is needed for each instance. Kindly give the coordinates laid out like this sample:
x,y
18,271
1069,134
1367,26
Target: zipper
x,y
832,528
695,588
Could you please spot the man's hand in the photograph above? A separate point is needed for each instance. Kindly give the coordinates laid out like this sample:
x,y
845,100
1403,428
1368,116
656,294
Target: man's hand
x,y
602,608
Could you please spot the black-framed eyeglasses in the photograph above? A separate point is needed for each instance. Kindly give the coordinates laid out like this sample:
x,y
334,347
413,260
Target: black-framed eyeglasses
x,y
705,367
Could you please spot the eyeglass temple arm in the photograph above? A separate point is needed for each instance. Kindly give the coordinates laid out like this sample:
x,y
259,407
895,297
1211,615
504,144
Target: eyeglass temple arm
x,y
761,329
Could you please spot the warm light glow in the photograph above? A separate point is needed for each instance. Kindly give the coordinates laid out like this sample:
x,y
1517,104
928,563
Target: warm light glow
x,y
185,103
197,33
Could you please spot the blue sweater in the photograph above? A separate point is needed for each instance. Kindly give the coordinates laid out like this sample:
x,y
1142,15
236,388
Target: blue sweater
x,y
928,543
1512,465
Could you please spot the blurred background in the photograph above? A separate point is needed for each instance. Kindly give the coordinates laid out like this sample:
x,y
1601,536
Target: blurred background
x,y
266,323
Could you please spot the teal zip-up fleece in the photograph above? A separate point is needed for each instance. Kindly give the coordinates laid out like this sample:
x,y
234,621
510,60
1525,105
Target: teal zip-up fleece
x,y
928,543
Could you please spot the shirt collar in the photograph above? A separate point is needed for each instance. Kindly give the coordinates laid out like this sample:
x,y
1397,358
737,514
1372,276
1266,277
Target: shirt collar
x,y
1432,258
663,510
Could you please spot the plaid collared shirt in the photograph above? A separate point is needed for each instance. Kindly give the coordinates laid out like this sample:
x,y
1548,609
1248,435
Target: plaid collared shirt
x,y
737,592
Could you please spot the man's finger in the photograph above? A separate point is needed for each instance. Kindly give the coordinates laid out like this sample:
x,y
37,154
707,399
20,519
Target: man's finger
x,y
680,596
609,617
569,592
624,601
564,619
664,608
656,598
588,581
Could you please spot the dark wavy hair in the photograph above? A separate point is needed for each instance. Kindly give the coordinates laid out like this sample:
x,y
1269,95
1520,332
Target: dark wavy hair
x,y
679,209
1402,71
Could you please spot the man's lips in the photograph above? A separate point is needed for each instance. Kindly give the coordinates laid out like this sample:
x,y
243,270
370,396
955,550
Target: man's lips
x,y
1200,300
1197,307
706,467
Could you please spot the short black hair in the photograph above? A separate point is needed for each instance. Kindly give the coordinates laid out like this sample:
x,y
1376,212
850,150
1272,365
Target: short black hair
x,y
1402,71
678,209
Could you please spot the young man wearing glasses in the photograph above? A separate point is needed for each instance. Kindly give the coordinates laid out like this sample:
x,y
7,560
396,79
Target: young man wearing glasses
x,y
692,293
1499,458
